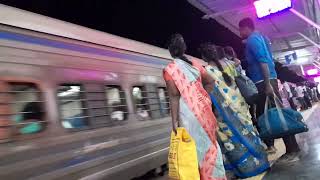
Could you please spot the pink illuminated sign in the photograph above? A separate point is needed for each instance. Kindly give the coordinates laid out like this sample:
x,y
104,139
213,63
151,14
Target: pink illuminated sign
x,y
311,72
267,7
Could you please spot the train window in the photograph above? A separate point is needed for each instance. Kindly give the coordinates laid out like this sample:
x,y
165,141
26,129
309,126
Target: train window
x,y
164,101
27,108
140,101
116,104
71,104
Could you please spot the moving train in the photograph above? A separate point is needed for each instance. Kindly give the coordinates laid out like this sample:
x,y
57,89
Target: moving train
x,y
77,103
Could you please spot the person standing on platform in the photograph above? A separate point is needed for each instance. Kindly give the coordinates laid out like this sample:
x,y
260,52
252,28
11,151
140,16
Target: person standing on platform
x,y
261,70
315,95
318,90
300,98
237,136
309,92
290,95
231,55
191,107
307,98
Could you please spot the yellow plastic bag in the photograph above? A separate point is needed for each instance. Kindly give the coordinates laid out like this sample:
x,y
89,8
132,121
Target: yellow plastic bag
x,y
183,161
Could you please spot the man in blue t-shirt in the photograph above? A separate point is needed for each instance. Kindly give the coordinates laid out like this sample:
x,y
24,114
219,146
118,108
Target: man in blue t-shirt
x,y
261,70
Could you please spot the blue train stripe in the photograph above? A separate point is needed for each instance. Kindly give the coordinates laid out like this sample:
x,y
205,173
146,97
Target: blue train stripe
x,y
79,48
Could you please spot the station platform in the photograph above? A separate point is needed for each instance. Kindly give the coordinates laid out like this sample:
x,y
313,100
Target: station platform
x,y
308,167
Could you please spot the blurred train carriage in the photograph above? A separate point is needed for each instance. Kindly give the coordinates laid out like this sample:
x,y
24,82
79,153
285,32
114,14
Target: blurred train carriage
x,y
73,100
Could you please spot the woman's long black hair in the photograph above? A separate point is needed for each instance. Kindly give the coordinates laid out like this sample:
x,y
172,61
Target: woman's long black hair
x,y
177,47
210,53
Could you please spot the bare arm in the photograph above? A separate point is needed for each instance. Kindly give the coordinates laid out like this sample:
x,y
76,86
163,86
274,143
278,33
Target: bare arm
x,y
265,72
174,96
266,78
208,82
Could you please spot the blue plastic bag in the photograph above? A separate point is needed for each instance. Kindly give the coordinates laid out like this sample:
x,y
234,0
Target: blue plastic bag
x,y
277,123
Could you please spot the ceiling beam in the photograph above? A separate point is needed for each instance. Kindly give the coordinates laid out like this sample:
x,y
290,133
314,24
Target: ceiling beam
x,y
220,19
285,34
310,40
220,13
304,18
275,28
292,49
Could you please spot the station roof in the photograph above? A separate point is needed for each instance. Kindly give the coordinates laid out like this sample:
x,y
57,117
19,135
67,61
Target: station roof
x,y
282,28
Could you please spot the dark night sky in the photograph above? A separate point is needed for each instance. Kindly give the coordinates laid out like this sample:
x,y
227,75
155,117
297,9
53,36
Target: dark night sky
x,y
149,21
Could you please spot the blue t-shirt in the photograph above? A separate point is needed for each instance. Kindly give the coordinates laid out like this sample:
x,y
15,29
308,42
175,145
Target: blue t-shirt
x,y
259,51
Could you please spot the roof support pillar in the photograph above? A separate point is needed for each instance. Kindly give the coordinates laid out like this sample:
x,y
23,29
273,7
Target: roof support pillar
x,y
316,65
302,70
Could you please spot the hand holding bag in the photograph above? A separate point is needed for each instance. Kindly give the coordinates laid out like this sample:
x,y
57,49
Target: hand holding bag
x,y
183,161
277,123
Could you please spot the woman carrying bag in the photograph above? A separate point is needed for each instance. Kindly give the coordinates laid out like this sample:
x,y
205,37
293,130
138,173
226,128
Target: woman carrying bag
x,y
246,86
191,109
244,154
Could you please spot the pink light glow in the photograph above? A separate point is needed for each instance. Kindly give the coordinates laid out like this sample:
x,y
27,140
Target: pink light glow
x,y
317,79
311,72
267,7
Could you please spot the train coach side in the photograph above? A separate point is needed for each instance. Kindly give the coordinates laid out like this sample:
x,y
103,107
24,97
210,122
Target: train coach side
x,y
105,110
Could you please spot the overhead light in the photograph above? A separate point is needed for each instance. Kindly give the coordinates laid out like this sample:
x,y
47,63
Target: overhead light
x,y
317,79
267,7
311,72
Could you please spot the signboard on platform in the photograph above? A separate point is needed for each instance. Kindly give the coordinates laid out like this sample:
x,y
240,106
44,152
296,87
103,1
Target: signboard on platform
x,y
291,58
268,7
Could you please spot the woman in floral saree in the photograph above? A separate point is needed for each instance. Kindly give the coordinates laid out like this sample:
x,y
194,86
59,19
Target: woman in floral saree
x,y
190,103
242,149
